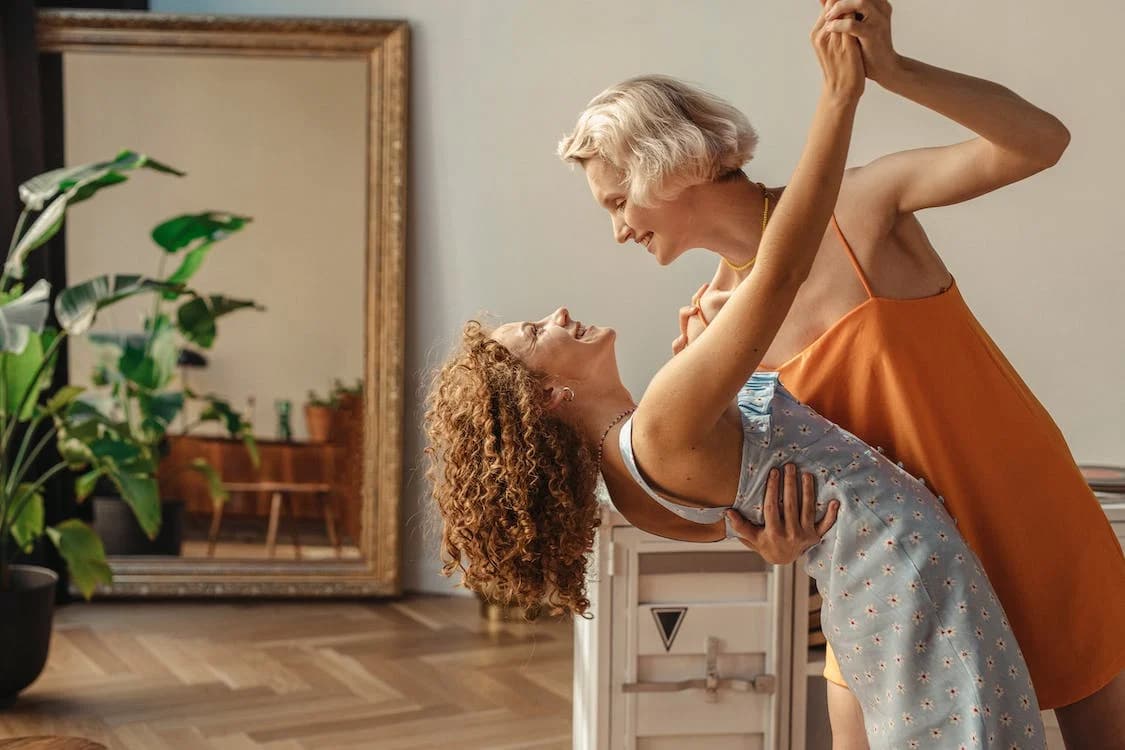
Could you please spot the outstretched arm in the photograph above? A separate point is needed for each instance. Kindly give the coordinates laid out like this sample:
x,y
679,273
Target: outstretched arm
x,y
687,397
1015,139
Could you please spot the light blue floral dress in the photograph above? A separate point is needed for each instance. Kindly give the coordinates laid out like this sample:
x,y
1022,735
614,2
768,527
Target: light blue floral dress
x,y
916,626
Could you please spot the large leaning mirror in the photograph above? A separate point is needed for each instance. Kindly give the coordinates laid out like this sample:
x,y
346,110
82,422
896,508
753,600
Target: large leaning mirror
x,y
281,473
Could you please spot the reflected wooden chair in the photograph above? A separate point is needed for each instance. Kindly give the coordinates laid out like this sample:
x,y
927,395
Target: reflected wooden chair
x,y
279,492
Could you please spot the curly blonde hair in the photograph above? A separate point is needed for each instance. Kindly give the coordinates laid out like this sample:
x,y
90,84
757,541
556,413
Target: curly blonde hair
x,y
663,135
514,483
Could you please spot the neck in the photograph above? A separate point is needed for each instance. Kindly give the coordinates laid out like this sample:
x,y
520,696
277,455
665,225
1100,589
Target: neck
x,y
733,228
592,413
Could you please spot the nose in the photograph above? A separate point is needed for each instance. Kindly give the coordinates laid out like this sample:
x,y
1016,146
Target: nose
x,y
622,232
562,317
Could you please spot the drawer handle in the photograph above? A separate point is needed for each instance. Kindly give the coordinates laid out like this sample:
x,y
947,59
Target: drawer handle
x,y
765,684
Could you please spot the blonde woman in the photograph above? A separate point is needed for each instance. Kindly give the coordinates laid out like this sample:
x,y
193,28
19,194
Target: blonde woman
x,y
879,340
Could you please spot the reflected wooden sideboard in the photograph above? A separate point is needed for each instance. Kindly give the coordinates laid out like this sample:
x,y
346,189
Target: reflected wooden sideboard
x,y
335,463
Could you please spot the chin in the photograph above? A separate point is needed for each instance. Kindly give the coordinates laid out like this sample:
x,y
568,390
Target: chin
x,y
666,258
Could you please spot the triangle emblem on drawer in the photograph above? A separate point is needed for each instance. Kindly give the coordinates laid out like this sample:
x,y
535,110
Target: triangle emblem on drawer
x,y
668,621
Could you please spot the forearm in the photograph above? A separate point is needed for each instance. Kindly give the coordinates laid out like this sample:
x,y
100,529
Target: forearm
x,y
990,110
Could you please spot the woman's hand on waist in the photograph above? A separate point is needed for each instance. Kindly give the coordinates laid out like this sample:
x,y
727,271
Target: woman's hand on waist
x,y
788,532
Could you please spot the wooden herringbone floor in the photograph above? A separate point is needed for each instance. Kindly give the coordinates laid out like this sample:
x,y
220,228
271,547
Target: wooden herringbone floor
x,y
423,672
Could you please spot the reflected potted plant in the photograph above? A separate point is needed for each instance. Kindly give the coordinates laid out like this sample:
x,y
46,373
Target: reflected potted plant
x,y
136,379
320,414
32,416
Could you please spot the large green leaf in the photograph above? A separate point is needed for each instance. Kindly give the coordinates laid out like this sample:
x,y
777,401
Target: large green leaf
x,y
196,317
84,554
77,306
120,452
88,178
23,316
45,226
141,494
118,340
28,525
158,411
152,366
20,378
192,231
85,483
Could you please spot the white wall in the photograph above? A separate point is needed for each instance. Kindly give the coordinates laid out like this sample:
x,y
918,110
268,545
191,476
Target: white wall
x,y
498,223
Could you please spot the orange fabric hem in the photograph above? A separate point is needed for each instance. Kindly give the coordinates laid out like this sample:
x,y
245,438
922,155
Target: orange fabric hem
x,y
1074,694
1050,699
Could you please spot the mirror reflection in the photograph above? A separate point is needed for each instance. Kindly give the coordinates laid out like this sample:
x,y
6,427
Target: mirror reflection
x,y
251,393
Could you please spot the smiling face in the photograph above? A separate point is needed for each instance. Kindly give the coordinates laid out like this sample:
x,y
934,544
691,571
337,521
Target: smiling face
x,y
563,348
662,228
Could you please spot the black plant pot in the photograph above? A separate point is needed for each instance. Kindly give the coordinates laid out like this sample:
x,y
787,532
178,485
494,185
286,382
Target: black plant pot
x,y
115,523
25,628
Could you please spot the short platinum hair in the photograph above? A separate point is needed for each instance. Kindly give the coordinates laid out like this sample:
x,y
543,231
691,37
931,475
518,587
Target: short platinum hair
x,y
663,134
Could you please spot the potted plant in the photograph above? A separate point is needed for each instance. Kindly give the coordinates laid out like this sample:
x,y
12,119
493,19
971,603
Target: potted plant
x,y
319,416
31,417
138,385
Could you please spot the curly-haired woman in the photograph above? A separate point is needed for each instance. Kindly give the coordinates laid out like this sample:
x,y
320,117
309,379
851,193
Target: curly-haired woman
x,y
522,420
880,341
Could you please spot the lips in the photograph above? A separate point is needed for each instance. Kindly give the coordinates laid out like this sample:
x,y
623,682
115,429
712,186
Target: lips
x,y
579,330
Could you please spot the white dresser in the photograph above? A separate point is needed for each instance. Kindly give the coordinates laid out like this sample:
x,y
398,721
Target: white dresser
x,y
690,646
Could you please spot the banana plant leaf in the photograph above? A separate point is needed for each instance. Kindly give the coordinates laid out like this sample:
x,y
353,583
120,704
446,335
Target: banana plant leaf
x,y
84,554
198,233
22,377
88,177
45,226
118,340
77,306
196,317
196,230
24,316
64,188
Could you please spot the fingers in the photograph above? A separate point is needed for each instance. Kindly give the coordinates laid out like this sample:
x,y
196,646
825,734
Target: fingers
x,y
695,298
829,519
769,508
792,518
685,315
849,26
808,501
845,7
679,344
746,531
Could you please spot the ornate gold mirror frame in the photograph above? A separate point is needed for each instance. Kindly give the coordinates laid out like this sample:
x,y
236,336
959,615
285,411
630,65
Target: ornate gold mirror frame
x,y
384,46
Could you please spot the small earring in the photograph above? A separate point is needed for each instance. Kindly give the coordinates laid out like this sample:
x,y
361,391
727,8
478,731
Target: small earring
x,y
568,394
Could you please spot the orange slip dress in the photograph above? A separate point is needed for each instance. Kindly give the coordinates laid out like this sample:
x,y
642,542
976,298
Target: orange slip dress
x,y
923,380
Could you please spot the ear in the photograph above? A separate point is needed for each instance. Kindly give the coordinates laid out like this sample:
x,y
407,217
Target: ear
x,y
555,397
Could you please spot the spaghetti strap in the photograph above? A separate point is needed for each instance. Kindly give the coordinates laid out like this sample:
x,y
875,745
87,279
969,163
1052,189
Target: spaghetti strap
x,y
851,255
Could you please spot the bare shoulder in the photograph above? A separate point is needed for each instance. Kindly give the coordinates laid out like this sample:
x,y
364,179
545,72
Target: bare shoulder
x,y
864,208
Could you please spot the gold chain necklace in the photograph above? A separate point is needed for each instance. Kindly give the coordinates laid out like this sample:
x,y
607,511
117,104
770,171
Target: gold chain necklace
x,y
601,443
765,219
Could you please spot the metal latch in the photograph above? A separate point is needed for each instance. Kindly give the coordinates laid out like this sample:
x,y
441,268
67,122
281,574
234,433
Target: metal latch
x,y
765,684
